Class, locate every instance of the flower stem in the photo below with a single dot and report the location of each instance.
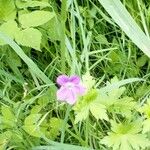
(65, 123)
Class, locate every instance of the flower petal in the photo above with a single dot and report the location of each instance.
(62, 79)
(79, 89)
(74, 79)
(62, 94)
(71, 97)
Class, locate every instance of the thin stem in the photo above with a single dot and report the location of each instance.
(63, 46)
(64, 123)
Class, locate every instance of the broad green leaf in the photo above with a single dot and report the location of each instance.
(8, 117)
(35, 18)
(36, 109)
(90, 103)
(146, 125)
(98, 111)
(114, 100)
(29, 37)
(10, 28)
(126, 136)
(30, 3)
(31, 125)
(7, 10)
(122, 17)
(81, 115)
(33, 67)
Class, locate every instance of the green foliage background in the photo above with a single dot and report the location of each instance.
(41, 39)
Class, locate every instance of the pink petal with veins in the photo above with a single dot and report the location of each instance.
(62, 79)
(74, 79)
(79, 89)
(62, 94)
(71, 97)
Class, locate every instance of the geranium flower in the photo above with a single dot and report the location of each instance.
(70, 88)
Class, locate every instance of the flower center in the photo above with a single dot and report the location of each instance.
(69, 85)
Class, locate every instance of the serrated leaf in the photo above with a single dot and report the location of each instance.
(146, 126)
(7, 10)
(88, 81)
(29, 37)
(81, 115)
(126, 136)
(98, 111)
(30, 3)
(35, 18)
(10, 28)
(90, 103)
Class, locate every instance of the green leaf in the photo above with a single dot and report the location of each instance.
(8, 117)
(35, 18)
(54, 27)
(126, 136)
(31, 125)
(81, 114)
(88, 81)
(10, 28)
(29, 37)
(98, 111)
(146, 125)
(33, 67)
(4, 138)
(102, 39)
(115, 102)
(145, 110)
(142, 60)
(90, 103)
(55, 127)
(30, 3)
(7, 10)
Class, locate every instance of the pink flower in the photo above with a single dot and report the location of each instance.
(70, 88)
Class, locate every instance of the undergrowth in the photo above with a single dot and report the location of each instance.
(42, 39)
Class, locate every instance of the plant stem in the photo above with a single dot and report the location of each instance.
(64, 123)
(63, 46)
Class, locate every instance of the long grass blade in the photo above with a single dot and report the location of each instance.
(122, 17)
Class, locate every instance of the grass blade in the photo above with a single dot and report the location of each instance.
(33, 67)
(122, 17)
